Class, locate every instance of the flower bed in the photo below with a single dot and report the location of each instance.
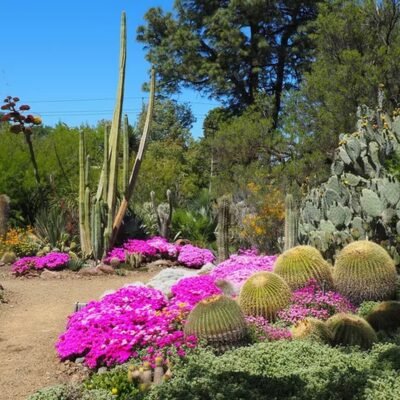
(188, 255)
(122, 324)
(51, 261)
(312, 301)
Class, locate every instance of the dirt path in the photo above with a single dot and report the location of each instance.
(31, 322)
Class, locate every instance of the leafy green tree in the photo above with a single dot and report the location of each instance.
(231, 49)
(357, 48)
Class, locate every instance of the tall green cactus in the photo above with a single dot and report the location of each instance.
(4, 214)
(223, 228)
(99, 222)
(125, 154)
(163, 213)
(290, 223)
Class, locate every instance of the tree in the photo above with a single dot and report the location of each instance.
(357, 48)
(231, 49)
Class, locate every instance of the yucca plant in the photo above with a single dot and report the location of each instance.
(50, 226)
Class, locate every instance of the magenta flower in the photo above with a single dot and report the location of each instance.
(52, 260)
(194, 257)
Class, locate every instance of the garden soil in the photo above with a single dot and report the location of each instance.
(31, 321)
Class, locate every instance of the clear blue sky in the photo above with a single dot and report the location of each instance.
(61, 57)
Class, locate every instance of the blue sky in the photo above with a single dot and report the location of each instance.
(61, 57)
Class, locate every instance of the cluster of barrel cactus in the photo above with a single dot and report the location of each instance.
(385, 316)
(361, 199)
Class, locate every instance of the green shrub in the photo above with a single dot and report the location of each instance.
(366, 307)
(58, 392)
(115, 379)
(298, 370)
(383, 387)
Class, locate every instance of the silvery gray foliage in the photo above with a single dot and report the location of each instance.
(361, 199)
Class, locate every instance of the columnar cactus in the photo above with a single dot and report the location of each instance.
(219, 321)
(298, 265)
(290, 222)
(4, 214)
(264, 294)
(223, 228)
(385, 316)
(364, 271)
(98, 217)
(163, 213)
(313, 329)
(351, 330)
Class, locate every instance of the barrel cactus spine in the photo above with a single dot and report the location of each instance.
(312, 329)
(264, 294)
(219, 321)
(385, 316)
(351, 330)
(364, 271)
(298, 265)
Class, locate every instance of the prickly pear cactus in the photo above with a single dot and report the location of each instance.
(361, 199)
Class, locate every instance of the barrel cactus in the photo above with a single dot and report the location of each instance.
(219, 321)
(298, 265)
(313, 329)
(385, 316)
(364, 271)
(351, 330)
(264, 294)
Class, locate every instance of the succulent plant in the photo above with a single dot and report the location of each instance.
(361, 199)
(300, 264)
(4, 214)
(264, 294)
(364, 271)
(313, 329)
(385, 316)
(291, 221)
(351, 330)
(8, 257)
(219, 321)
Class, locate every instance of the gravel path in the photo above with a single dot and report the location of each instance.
(31, 322)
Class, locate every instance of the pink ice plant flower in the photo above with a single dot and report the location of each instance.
(266, 331)
(120, 325)
(189, 291)
(312, 301)
(239, 267)
(163, 247)
(53, 260)
(194, 257)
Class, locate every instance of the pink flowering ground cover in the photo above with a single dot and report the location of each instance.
(239, 267)
(312, 301)
(264, 331)
(119, 326)
(188, 255)
(189, 291)
(53, 261)
(194, 257)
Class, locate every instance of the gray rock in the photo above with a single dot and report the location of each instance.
(46, 274)
(106, 269)
(166, 278)
(80, 360)
(206, 268)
